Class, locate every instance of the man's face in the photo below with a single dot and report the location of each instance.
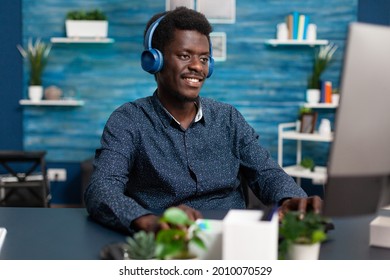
(185, 66)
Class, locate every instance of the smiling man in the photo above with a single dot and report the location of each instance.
(175, 148)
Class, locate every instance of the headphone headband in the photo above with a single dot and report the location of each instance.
(149, 34)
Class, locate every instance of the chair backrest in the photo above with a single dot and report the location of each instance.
(25, 180)
(251, 200)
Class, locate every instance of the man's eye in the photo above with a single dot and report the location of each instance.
(204, 59)
(184, 56)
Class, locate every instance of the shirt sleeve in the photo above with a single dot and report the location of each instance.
(105, 196)
(269, 182)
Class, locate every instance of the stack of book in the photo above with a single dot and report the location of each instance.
(297, 25)
(326, 92)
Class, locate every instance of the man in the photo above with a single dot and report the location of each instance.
(176, 148)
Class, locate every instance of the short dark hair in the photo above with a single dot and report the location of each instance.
(180, 18)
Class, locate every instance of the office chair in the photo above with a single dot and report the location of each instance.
(26, 183)
(251, 201)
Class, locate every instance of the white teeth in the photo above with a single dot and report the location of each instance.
(192, 80)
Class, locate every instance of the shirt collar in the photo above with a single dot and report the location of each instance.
(167, 117)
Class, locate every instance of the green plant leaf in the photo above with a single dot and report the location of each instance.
(176, 216)
(199, 242)
(308, 230)
(37, 55)
(318, 236)
(174, 242)
(322, 57)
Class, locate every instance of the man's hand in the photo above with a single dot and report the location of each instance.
(147, 223)
(191, 212)
(151, 222)
(301, 205)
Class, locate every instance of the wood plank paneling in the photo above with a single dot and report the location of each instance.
(266, 84)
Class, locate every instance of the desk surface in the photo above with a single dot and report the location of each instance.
(69, 234)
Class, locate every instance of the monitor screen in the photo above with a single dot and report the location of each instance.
(359, 161)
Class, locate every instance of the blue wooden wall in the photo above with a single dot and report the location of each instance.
(266, 84)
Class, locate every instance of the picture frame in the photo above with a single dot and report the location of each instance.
(218, 11)
(218, 41)
(308, 122)
(172, 4)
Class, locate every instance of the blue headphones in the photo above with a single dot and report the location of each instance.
(152, 59)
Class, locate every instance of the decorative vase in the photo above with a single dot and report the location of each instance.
(324, 128)
(313, 96)
(35, 93)
(304, 251)
(53, 93)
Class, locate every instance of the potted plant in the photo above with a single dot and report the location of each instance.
(172, 242)
(301, 235)
(308, 163)
(322, 58)
(140, 246)
(335, 96)
(37, 55)
(86, 24)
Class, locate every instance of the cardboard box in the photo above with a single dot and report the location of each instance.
(247, 237)
(380, 232)
(212, 237)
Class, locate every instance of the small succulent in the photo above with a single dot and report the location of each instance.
(304, 110)
(308, 163)
(141, 246)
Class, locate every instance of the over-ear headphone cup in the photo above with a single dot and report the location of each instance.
(152, 60)
(211, 67)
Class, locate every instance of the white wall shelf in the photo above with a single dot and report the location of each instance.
(295, 135)
(275, 42)
(321, 105)
(75, 40)
(61, 102)
(298, 171)
(288, 131)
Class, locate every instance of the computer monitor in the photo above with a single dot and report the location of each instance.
(359, 160)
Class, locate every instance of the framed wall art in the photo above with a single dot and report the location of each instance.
(218, 41)
(172, 4)
(308, 122)
(218, 11)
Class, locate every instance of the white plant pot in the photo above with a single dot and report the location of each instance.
(304, 251)
(313, 96)
(335, 98)
(86, 28)
(35, 93)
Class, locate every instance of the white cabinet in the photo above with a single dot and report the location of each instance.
(288, 131)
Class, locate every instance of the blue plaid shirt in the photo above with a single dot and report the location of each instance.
(148, 162)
